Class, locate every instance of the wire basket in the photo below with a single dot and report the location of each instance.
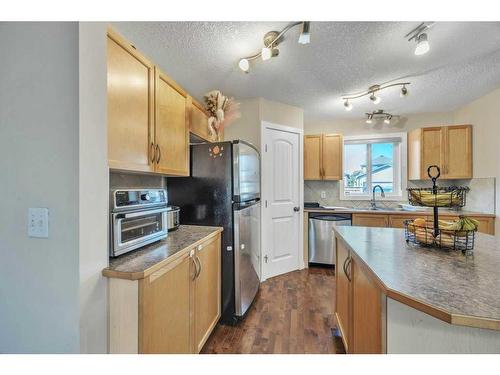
(462, 240)
(451, 196)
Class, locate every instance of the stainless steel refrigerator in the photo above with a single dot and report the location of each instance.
(224, 190)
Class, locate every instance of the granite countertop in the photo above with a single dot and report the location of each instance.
(140, 263)
(460, 290)
(442, 211)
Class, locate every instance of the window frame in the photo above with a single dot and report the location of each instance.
(400, 160)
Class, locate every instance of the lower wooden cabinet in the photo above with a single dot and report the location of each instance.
(370, 220)
(172, 310)
(360, 306)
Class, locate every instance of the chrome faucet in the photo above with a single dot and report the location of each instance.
(382, 194)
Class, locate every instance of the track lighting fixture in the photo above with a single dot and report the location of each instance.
(305, 36)
(347, 105)
(420, 37)
(371, 91)
(271, 41)
(378, 115)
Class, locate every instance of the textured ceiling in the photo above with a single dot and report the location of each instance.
(343, 57)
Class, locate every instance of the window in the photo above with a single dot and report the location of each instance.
(374, 160)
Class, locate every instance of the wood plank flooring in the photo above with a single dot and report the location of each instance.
(293, 313)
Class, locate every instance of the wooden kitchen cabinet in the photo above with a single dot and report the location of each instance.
(165, 309)
(207, 292)
(172, 105)
(359, 305)
(370, 220)
(449, 147)
(343, 293)
(172, 310)
(323, 157)
(398, 221)
(148, 114)
(130, 106)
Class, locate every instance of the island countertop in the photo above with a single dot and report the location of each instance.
(445, 284)
(142, 262)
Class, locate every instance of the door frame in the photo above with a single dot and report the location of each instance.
(265, 187)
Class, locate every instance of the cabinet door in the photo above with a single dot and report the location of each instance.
(486, 224)
(398, 221)
(332, 157)
(165, 309)
(171, 127)
(312, 157)
(207, 291)
(370, 220)
(458, 152)
(130, 107)
(367, 314)
(432, 152)
(199, 121)
(343, 294)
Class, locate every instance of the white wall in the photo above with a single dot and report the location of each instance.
(484, 114)
(93, 187)
(39, 287)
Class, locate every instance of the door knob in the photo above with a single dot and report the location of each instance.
(296, 209)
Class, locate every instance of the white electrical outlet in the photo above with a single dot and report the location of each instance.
(323, 194)
(38, 222)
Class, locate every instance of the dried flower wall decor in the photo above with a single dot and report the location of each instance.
(222, 110)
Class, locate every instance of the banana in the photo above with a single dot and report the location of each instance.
(462, 224)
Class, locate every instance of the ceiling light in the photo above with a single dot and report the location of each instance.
(422, 45)
(369, 119)
(305, 36)
(388, 119)
(244, 65)
(375, 99)
(347, 105)
(404, 92)
(266, 53)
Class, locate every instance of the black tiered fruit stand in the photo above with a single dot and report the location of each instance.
(430, 234)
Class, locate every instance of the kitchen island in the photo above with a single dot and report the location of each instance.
(395, 297)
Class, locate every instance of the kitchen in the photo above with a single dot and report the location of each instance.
(300, 223)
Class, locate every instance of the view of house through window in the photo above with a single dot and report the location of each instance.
(370, 162)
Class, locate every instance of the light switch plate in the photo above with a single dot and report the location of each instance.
(38, 222)
(323, 194)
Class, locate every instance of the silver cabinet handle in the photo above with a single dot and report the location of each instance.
(153, 154)
(200, 267)
(158, 158)
(348, 264)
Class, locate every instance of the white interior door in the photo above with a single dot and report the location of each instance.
(282, 208)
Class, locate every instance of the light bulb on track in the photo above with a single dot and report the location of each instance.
(422, 45)
(244, 65)
(375, 99)
(305, 35)
(266, 53)
(347, 105)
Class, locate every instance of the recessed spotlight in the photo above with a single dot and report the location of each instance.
(404, 92)
(305, 36)
(347, 105)
(244, 65)
(422, 45)
(375, 99)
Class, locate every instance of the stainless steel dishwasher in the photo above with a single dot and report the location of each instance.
(321, 237)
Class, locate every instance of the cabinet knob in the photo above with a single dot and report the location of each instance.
(199, 247)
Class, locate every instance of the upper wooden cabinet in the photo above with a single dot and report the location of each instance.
(449, 147)
(323, 157)
(172, 106)
(199, 123)
(148, 114)
(130, 107)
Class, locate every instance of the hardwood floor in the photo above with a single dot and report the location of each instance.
(293, 313)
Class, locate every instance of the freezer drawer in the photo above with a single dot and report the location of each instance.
(321, 237)
(246, 255)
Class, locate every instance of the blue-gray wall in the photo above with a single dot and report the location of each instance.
(39, 278)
